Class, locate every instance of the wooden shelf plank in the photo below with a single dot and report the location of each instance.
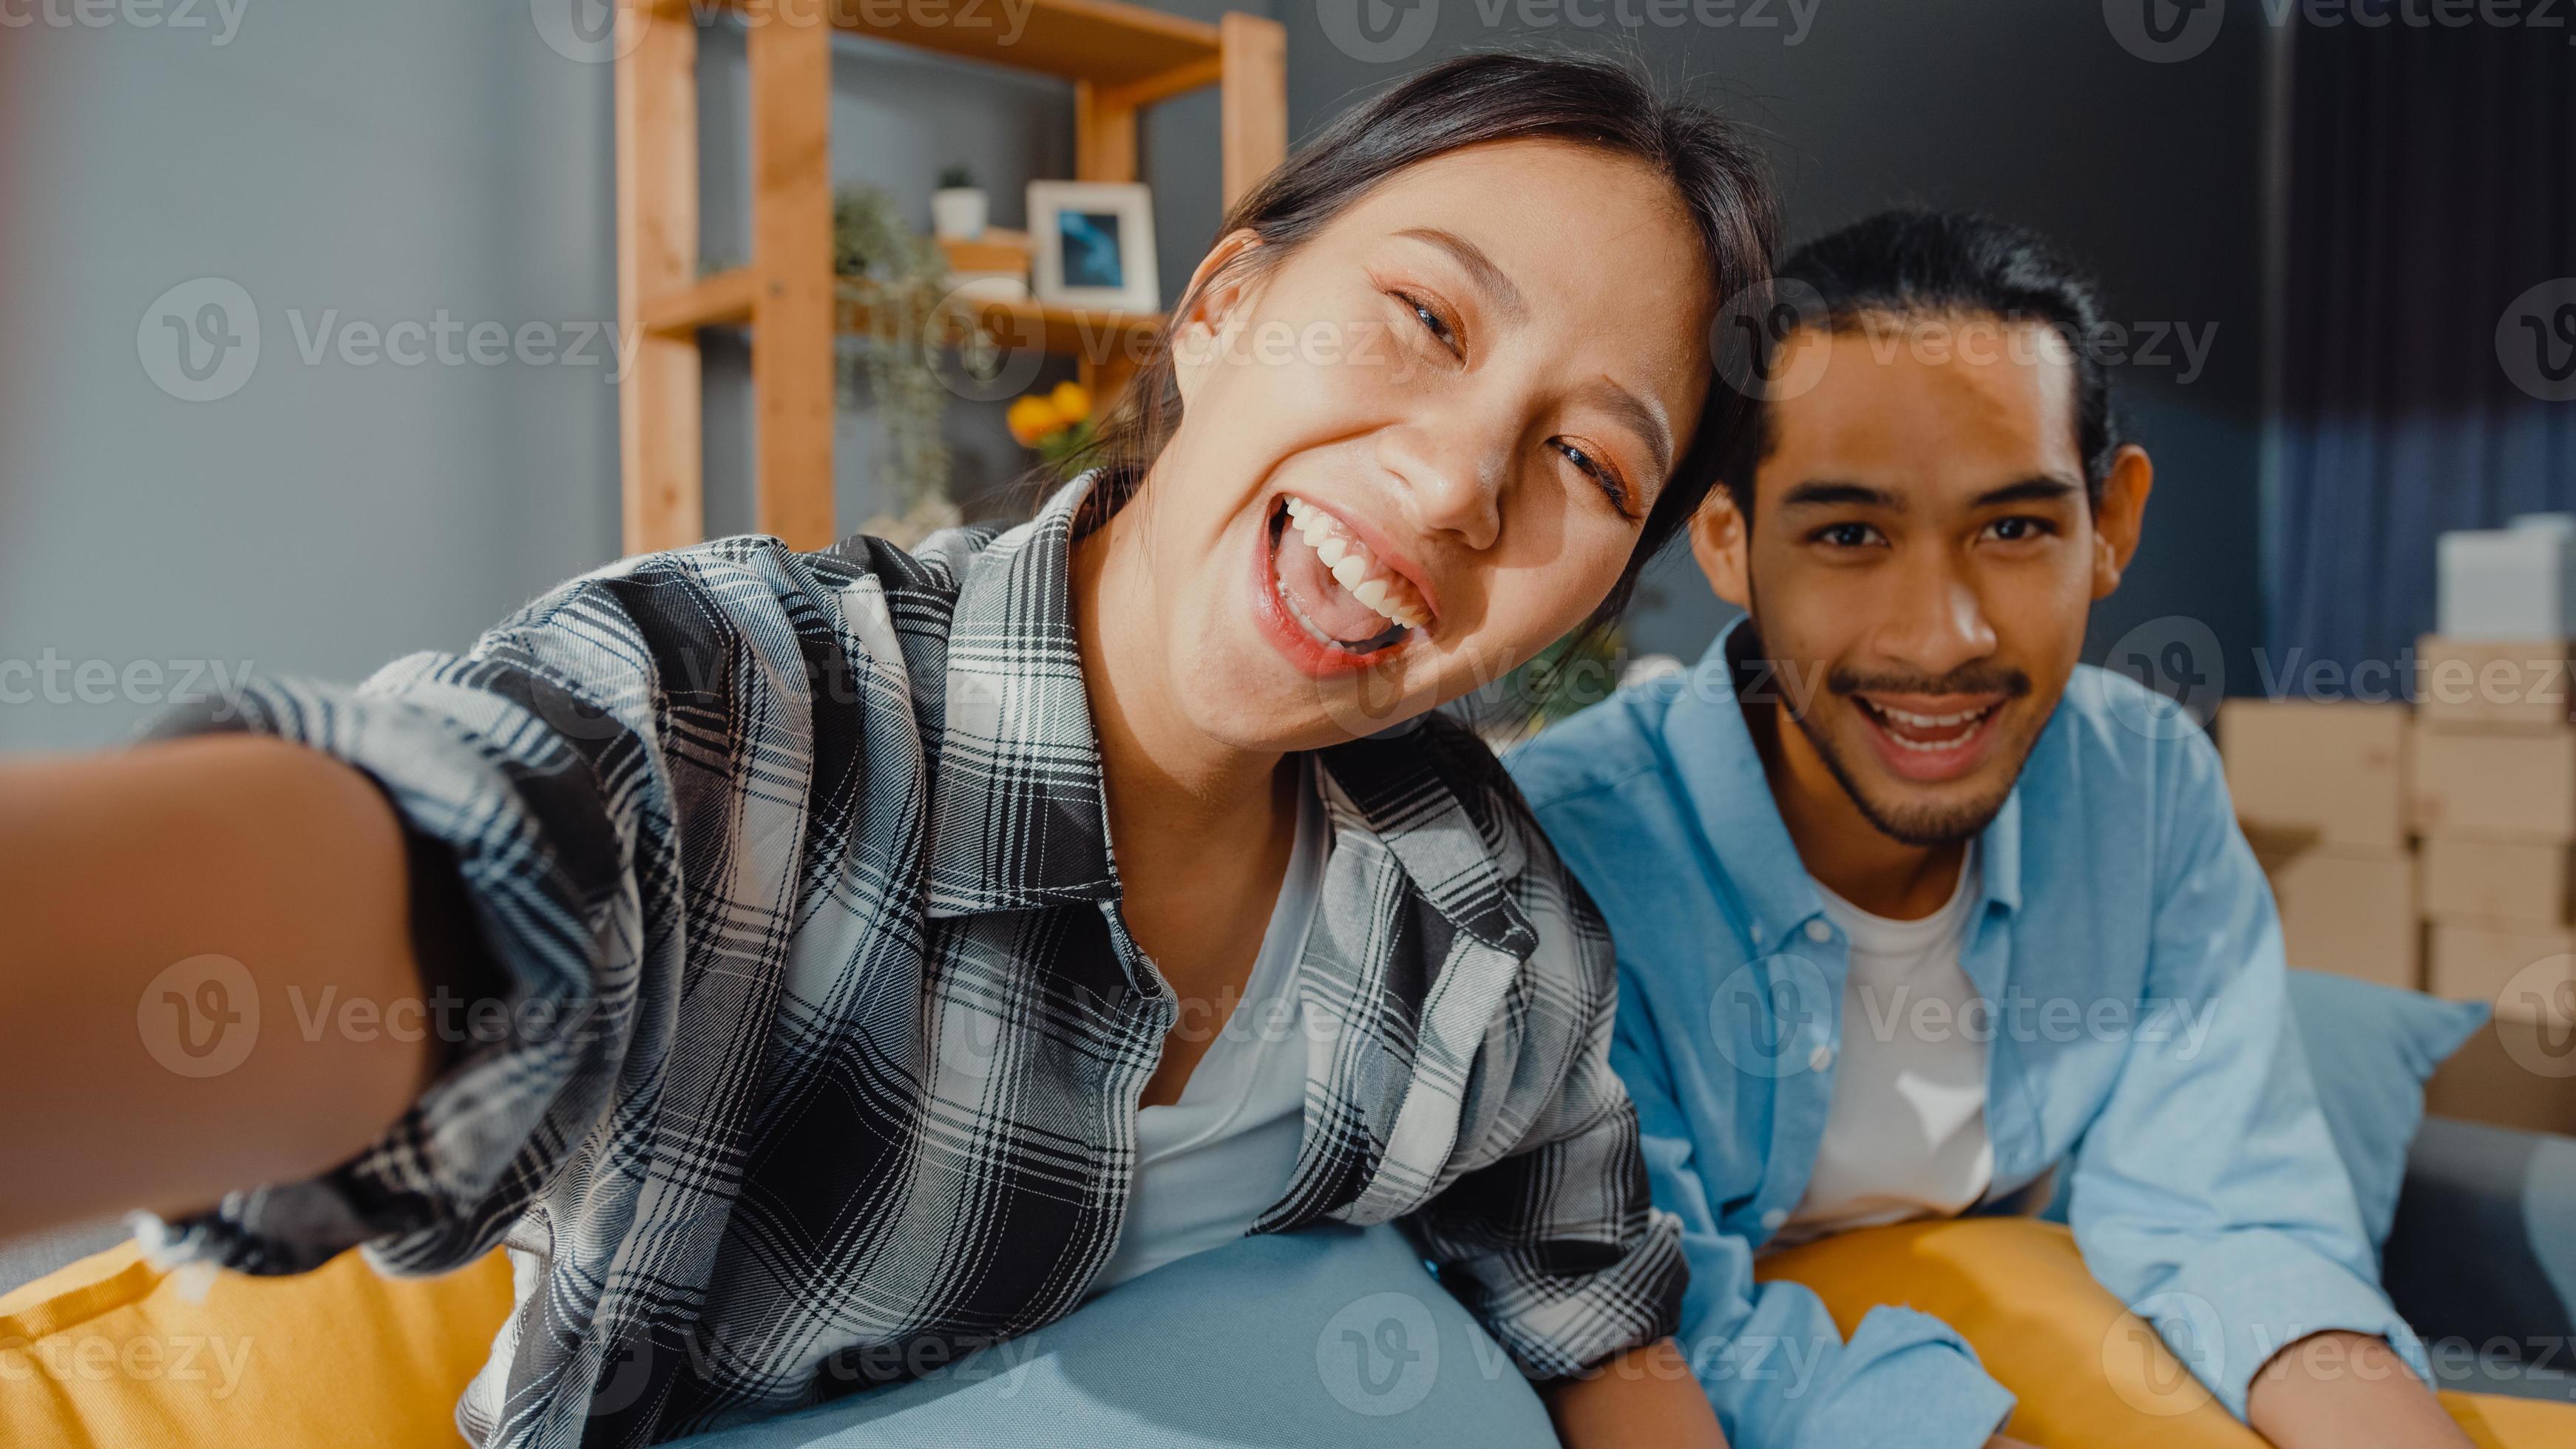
(714, 301)
(1098, 40)
(1077, 332)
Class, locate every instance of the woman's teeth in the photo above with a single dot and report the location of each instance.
(1385, 592)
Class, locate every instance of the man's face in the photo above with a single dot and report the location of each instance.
(1922, 559)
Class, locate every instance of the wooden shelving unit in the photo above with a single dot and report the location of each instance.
(1121, 59)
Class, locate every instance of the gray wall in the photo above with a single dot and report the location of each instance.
(390, 162)
(2147, 172)
(376, 164)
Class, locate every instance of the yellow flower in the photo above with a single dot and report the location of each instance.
(1072, 401)
(1032, 418)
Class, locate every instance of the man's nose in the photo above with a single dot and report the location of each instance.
(1939, 624)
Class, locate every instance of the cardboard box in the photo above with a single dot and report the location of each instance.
(2491, 683)
(2526, 975)
(2508, 583)
(2510, 1073)
(2505, 785)
(2333, 773)
(2512, 883)
(2346, 911)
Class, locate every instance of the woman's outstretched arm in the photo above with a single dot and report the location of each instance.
(114, 868)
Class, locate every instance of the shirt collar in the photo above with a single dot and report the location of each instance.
(1019, 809)
(1018, 816)
(1713, 755)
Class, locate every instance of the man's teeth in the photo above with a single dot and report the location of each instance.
(1930, 721)
(1354, 568)
(1961, 724)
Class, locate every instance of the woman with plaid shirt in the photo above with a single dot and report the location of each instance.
(782, 949)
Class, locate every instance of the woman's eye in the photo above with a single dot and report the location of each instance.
(1846, 535)
(1432, 322)
(1598, 471)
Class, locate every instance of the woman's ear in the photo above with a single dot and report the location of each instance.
(2120, 516)
(1213, 310)
(1718, 537)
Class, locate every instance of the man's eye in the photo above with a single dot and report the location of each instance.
(1847, 535)
(2014, 530)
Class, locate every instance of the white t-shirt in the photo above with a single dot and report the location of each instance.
(1906, 1134)
(1212, 1162)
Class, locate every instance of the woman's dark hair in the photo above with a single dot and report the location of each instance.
(1469, 101)
(1918, 264)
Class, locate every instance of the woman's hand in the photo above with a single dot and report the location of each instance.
(152, 1091)
(1646, 1397)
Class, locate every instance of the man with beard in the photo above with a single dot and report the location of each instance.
(1915, 914)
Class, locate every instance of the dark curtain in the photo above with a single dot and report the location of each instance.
(2432, 184)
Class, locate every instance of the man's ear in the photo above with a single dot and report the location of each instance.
(1215, 306)
(1718, 538)
(2120, 516)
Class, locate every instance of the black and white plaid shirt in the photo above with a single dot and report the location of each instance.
(823, 1039)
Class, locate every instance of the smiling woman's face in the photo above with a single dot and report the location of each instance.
(1421, 446)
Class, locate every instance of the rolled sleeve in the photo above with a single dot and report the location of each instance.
(531, 764)
(2251, 1294)
(1558, 1247)
(1774, 1365)
(2207, 1194)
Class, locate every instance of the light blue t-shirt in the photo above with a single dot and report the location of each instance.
(2129, 957)
(1211, 1163)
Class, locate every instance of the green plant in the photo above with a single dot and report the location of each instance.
(899, 279)
(956, 178)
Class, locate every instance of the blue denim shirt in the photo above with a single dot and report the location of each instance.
(2131, 959)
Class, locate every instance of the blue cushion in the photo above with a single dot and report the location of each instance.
(1332, 1335)
(2370, 1049)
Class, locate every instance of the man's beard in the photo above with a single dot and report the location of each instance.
(1921, 826)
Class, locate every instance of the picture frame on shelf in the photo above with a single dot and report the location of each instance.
(1092, 245)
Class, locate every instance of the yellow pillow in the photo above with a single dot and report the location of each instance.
(109, 1352)
(2086, 1370)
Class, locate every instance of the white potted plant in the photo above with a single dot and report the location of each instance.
(958, 208)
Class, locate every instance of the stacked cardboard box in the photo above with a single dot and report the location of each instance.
(2494, 775)
(2321, 791)
(2494, 787)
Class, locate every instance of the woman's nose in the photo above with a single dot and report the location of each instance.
(1453, 481)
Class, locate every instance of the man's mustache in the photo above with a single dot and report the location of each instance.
(1975, 679)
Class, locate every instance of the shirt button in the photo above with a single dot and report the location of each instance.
(1821, 1058)
(1819, 932)
(1774, 1218)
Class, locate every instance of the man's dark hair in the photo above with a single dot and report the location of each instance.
(1916, 265)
